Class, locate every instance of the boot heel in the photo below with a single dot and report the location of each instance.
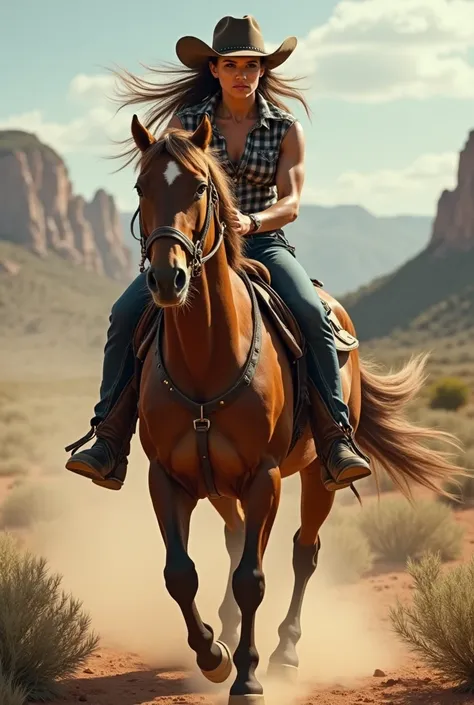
(344, 478)
(114, 480)
(110, 483)
(83, 469)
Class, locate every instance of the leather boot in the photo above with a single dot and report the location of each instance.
(105, 463)
(342, 462)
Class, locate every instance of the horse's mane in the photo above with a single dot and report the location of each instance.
(177, 143)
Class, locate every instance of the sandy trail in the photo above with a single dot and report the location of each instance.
(109, 549)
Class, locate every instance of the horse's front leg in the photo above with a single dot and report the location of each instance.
(260, 504)
(229, 613)
(173, 508)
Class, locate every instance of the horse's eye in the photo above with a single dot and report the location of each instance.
(201, 189)
(138, 190)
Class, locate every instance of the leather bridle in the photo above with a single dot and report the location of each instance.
(203, 409)
(195, 248)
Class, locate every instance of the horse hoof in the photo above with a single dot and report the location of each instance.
(247, 699)
(282, 672)
(224, 669)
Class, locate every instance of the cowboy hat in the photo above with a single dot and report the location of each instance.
(233, 37)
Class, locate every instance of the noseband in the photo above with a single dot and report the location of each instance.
(194, 248)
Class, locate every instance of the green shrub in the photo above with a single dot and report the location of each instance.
(449, 393)
(462, 488)
(439, 625)
(45, 633)
(10, 693)
(397, 530)
(346, 551)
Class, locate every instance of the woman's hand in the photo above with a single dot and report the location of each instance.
(240, 222)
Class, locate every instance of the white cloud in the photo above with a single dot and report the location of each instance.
(412, 189)
(367, 51)
(381, 50)
(91, 131)
(92, 90)
(98, 121)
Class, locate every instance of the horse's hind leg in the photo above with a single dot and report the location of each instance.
(173, 508)
(316, 503)
(229, 613)
(260, 505)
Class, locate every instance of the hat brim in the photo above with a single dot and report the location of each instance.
(194, 53)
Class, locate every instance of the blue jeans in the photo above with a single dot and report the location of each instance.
(291, 282)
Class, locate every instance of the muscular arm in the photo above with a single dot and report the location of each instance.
(289, 180)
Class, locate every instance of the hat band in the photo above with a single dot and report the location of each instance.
(239, 48)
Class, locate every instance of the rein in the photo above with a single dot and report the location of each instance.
(203, 409)
(194, 248)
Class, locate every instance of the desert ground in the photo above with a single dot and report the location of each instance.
(109, 550)
(113, 559)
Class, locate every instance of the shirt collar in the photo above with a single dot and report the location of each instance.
(265, 114)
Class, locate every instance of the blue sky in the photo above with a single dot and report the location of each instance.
(391, 86)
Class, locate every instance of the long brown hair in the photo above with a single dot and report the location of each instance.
(186, 87)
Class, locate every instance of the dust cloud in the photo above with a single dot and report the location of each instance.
(109, 549)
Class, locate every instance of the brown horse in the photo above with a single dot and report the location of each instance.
(216, 408)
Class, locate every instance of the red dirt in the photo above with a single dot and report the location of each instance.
(123, 679)
(113, 677)
(345, 646)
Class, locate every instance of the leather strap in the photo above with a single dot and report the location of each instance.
(204, 409)
(193, 247)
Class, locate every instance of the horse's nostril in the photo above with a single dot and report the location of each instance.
(151, 280)
(180, 279)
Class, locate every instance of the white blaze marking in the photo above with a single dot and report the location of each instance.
(172, 172)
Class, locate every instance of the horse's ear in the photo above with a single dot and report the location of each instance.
(143, 138)
(202, 135)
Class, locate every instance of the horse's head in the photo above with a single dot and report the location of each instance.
(178, 208)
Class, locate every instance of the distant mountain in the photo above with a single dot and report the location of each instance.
(344, 246)
(40, 211)
(433, 291)
(415, 291)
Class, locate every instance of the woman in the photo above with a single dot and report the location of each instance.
(261, 147)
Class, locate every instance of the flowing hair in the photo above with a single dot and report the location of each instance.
(179, 87)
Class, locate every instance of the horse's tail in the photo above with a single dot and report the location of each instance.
(394, 443)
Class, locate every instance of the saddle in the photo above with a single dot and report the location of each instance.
(271, 304)
(288, 327)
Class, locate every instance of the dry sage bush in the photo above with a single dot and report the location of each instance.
(45, 634)
(397, 530)
(346, 551)
(439, 624)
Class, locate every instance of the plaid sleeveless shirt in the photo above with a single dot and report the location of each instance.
(254, 177)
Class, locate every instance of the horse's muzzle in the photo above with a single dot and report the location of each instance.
(168, 284)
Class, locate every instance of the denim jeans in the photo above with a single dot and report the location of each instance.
(291, 282)
(119, 360)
